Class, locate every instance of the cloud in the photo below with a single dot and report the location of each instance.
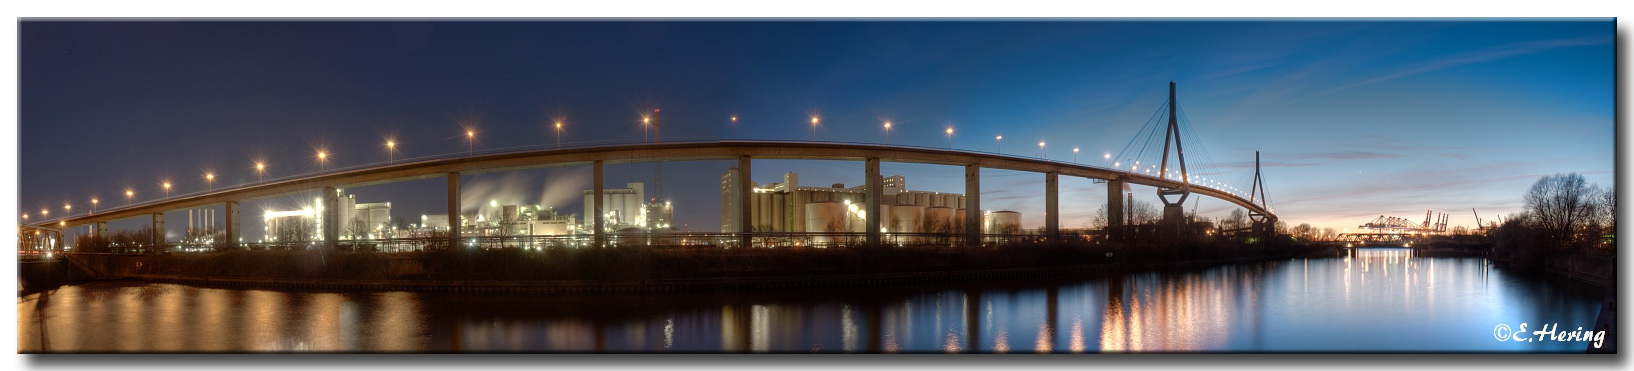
(1479, 56)
(1312, 159)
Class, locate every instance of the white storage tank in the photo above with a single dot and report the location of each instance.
(826, 217)
(938, 219)
(905, 218)
(1004, 222)
(958, 220)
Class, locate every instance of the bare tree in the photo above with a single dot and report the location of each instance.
(1304, 231)
(1561, 205)
(1238, 219)
(1137, 212)
(1330, 233)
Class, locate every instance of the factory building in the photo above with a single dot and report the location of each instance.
(629, 210)
(789, 207)
(359, 221)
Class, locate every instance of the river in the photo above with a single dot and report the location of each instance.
(1379, 300)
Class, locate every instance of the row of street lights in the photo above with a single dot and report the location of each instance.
(470, 135)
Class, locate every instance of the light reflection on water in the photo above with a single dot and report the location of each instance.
(1376, 300)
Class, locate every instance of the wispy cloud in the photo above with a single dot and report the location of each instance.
(1312, 159)
(1479, 56)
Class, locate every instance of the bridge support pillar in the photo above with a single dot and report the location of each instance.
(973, 205)
(231, 225)
(596, 193)
(331, 217)
(101, 230)
(1114, 207)
(1114, 203)
(745, 212)
(158, 230)
(454, 210)
(1174, 216)
(1052, 207)
(875, 193)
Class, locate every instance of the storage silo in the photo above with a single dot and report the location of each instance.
(825, 217)
(938, 219)
(1005, 222)
(905, 218)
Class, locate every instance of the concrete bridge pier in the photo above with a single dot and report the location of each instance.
(101, 230)
(231, 224)
(453, 210)
(158, 230)
(745, 222)
(1052, 207)
(973, 205)
(871, 217)
(1114, 206)
(596, 193)
(331, 217)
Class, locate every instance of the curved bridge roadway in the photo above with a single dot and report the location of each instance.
(595, 156)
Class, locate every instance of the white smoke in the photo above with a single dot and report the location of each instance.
(552, 188)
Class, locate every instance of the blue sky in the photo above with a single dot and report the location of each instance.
(1353, 119)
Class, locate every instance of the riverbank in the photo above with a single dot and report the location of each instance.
(650, 270)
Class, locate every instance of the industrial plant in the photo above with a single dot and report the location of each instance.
(789, 207)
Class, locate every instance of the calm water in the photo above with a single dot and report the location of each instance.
(1380, 300)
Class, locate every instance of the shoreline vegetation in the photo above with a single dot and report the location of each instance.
(678, 268)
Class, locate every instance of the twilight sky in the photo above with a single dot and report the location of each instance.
(1353, 119)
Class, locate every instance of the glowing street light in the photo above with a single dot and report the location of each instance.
(93, 205)
(814, 128)
(657, 126)
(391, 151)
(128, 195)
(558, 134)
(322, 157)
(25, 217)
(209, 181)
(167, 189)
(260, 171)
(734, 126)
(950, 137)
(1000, 139)
(645, 121)
(1040, 149)
(1075, 155)
(887, 132)
(68, 209)
(470, 142)
(45, 212)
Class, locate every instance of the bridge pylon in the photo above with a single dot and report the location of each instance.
(1262, 223)
(1173, 212)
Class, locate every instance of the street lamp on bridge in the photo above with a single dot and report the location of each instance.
(558, 134)
(128, 195)
(734, 126)
(209, 181)
(1074, 155)
(887, 133)
(322, 157)
(470, 141)
(68, 209)
(814, 128)
(1000, 139)
(260, 172)
(391, 151)
(167, 189)
(950, 137)
(93, 205)
(1041, 149)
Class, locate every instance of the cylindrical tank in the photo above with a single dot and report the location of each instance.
(938, 220)
(825, 217)
(1005, 222)
(905, 218)
(958, 220)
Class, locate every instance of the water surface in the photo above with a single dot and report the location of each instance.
(1378, 300)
